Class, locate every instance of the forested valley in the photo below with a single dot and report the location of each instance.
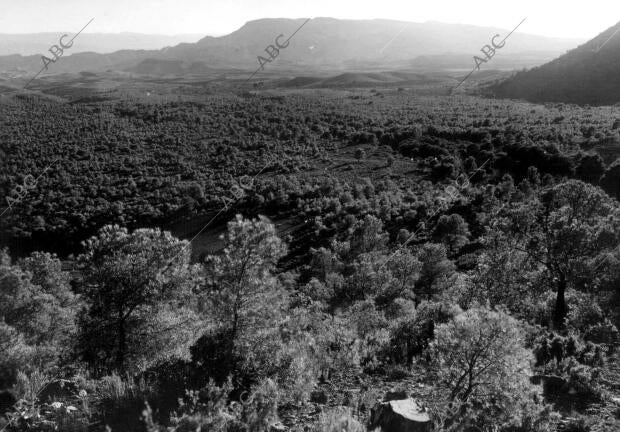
(288, 259)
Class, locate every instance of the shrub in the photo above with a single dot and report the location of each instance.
(213, 355)
(31, 412)
(410, 336)
(583, 311)
(483, 370)
(37, 311)
(338, 420)
(408, 339)
(452, 231)
(244, 298)
(603, 333)
(436, 268)
(211, 410)
(552, 347)
(121, 400)
(574, 360)
(140, 302)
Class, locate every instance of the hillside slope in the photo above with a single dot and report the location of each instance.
(589, 74)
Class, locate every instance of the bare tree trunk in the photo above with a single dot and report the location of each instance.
(122, 344)
(559, 314)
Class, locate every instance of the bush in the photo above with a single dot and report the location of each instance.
(338, 420)
(574, 360)
(214, 356)
(37, 311)
(211, 410)
(408, 339)
(584, 311)
(548, 347)
(141, 305)
(34, 411)
(244, 298)
(410, 336)
(483, 370)
(121, 401)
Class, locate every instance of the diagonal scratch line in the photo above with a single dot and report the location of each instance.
(513, 30)
(36, 180)
(610, 38)
(464, 79)
(501, 42)
(33, 78)
(45, 67)
(252, 76)
(290, 37)
(394, 38)
(83, 28)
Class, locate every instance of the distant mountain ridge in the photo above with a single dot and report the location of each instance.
(588, 74)
(101, 43)
(322, 44)
(342, 44)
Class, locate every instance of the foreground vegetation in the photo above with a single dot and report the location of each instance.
(494, 302)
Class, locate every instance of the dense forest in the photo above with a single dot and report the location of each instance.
(287, 260)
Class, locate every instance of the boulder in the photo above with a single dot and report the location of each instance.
(404, 415)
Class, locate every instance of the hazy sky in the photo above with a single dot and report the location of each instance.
(569, 18)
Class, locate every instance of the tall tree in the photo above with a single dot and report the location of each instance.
(564, 231)
(453, 231)
(37, 314)
(36, 299)
(483, 371)
(436, 268)
(246, 299)
(138, 288)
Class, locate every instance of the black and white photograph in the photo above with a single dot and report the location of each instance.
(309, 216)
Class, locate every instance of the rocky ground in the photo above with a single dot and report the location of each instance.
(359, 393)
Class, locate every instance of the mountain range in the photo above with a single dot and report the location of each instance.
(323, 44)
(38, 43)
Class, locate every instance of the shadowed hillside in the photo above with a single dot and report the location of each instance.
(589, 74)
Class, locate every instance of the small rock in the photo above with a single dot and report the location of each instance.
(400, 416)
(616, 400)
(318, 396)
